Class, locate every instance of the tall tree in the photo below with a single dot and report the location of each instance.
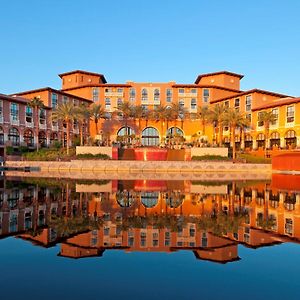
(234, 119)
(66, 113)
(138, 113)
(37, 104)
(126, 111)
(266, 117)
(159, 115)
(217, 118)
(203, 114)
(82, 114)
(96, 113)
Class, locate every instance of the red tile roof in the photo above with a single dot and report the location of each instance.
(51, 90)
(251, 92)
(83, 72)
(278, 102)
(218, 73)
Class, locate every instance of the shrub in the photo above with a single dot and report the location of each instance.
(210, 157)
(249, 158)
(9, 150)
(93, 156)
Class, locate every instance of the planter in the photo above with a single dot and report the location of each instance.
(150, 154)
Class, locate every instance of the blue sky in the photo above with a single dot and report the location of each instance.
(158, 40)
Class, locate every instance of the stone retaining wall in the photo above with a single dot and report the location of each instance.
(112, 166)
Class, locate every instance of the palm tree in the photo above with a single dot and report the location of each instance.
(159, 115)
(66, 113)
(83, 114)
(97, 112)
(125, 109)
(178, 112)
(203, 114)
(139, 113)
(37, 104)
(217, 117)
(234, 119)
(266, 117)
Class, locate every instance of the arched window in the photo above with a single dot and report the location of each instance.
(149, 199)
(156, 94)
(274, 139)
(150, 137)
(125, 134)
(248, 141)
(42, 139)
(14, 136)
(260, 140)
(132, 94)
(124, 198)
(174, 199)
(290, 138)
(174, 131)
(29, 138)
(144, 95)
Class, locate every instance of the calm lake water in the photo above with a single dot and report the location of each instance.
(145, 239)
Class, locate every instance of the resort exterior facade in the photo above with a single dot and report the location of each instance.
(18, 122)
(212, 89)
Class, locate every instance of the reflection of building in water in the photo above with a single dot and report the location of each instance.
(154, 215)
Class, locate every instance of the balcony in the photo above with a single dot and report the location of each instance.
(29, 124)
(42, 126)
(113, 94)
(54, 127)
(14, 122)
(189, 95)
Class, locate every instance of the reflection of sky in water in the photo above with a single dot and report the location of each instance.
(171, 270)
(263, 273)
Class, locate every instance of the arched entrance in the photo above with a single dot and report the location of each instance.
(290, 138)
(261, 140)
(149, 199)
(274, 140)
(175, 132)
(29, 138)
(125, 134)
(150, 137)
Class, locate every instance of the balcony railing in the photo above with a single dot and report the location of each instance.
(29, 124)
(114, 94)
(191, 95)
(14, 122)
(42, 126)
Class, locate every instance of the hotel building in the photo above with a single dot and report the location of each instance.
(208, 90)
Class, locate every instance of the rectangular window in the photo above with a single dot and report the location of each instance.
(260, 123)
(54, 100)
(65, 99)
(107, 103)
(95, 94)
(237, 102)
(76, 102)
(28, 116)
(14, 111)
(132, 94)
(205, 95)
(1, 109)
(248, 116)
(181, 91)
(226, 104)
(181, 103)
(193, 91)
(248, 102)
(193, 103)
(42, 116)
(169, 93)
(275, 113)
(290, 114)
(120, 90)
